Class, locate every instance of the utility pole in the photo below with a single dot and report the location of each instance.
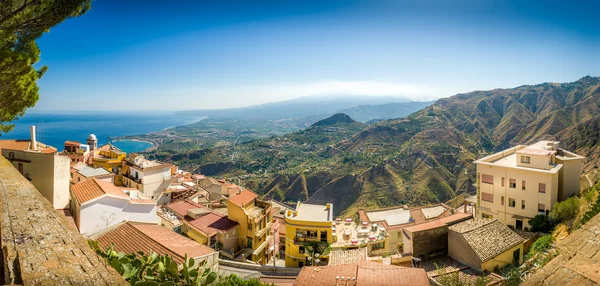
(274, 249)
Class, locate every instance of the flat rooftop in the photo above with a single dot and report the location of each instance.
(391, 216)
(309, 212)
(88, 171)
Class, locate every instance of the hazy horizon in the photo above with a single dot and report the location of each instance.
(227, 54)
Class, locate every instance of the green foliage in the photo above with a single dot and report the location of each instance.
(542, 244)
(315, 250)
(594, 210)
(234, 280)
(153, 269)
(454, 279)
(565, 211)
(541, 223)
(512, 276)
(21, 23)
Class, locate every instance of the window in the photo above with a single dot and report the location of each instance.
(487, 179)
(522, 204)
(378, 246)
(541, 208)
(517, 256)
(502, 181)
(301, 250)
(487, 197)
(511, 202)
(502, 200)
(525, 159)
(523, 185)
(512, 183)
(542, 188)
(323, 235)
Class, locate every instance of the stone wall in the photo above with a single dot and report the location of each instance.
(38, 245)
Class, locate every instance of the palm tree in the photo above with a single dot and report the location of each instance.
(315, 250)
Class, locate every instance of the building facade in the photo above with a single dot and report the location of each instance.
(48, 171)
(152, 178)
(99, 205)
(307, 223)
(257, 226)
(110, 158)
(516, 184)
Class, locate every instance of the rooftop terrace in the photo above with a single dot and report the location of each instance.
(309, 212)
(350, 234)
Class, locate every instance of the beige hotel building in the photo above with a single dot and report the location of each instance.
(518, 183)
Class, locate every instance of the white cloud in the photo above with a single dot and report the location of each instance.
(237, 96)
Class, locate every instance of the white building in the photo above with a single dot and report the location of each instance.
(152, 178)
(40, 163)
(516, 184)
(98, 205)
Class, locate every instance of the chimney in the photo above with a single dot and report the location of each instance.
(33, 141)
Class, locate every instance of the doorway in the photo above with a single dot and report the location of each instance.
(519, 224)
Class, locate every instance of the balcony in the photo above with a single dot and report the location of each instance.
(128, 176)
(264, 230)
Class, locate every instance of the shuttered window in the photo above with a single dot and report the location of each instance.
(541, 207)
(487, 197)
(542, 188)
(487, 179)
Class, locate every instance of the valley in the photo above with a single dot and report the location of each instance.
(423, 158)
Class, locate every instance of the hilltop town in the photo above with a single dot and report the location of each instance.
(131, 204)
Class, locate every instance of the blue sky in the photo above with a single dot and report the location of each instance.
(176, 55)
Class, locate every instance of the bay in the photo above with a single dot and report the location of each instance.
(55, 128)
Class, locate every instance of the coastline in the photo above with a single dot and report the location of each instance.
(152, 144)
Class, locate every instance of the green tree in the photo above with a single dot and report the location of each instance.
(541, 223)
(234, 280)
(315, 250)
(565, 211)
(21, 23)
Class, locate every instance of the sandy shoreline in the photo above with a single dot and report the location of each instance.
(137, 140)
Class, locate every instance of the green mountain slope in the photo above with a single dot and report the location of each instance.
(424, 158)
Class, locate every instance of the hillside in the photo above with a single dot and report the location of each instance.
(424, 158)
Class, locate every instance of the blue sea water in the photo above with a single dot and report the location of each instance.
(55, 128)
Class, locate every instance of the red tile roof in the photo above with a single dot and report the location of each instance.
(91, 189)
(366, 273)
(181, 208)
(133, 237)
(212, 223)
(455, 218)
(243, 198)
(23, 145)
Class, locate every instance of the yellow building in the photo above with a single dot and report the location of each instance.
(307, 223)
(484, 244)
(256, 222)
(516, 184)
(110, 158)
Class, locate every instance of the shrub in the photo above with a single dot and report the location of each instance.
(542, 244)
(541, 223)
(565, 211)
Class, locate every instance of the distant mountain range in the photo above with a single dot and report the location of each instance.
(423, 158)
(361, 108)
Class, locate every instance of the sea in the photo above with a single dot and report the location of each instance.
(55, 128)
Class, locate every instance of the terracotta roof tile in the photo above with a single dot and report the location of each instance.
(181, 208)
(366, 273)
(133, 237)
(487, 237)
(212, 223)
(91, 189)
(242, 198)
